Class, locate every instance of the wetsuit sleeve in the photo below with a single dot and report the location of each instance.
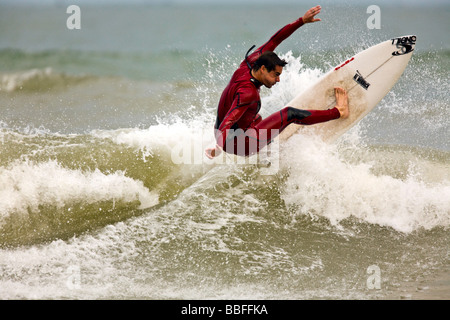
(242, 101)
(280, 36)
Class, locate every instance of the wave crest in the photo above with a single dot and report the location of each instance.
(43, 201)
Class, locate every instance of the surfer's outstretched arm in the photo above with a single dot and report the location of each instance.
(286, 31)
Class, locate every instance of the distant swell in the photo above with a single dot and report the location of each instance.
(37, 80)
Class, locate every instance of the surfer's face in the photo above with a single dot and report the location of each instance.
(272, 77)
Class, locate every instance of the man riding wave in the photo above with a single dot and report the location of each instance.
(239, 129)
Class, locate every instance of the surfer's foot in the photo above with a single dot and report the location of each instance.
(342, 102)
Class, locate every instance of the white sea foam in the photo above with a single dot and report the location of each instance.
(323, 183)
(166, 135)
(26, 186)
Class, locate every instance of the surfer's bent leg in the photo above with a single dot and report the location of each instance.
(280, 120)
(268, 129)
(253, 139)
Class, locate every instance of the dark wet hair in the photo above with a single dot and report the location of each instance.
(270, 60)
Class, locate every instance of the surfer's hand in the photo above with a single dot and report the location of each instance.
(309, 16)
(213, 152)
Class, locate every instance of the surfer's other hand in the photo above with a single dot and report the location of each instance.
(212, 152)
(309, 16)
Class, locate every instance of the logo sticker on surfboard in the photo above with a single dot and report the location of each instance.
(360, 80)
(404, 44)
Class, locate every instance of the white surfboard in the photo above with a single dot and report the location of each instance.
(368, 77)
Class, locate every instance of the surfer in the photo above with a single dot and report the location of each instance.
(239, 129)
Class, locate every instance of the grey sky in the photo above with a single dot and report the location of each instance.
(299, 2)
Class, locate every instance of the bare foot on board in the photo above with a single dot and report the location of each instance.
(342, 102)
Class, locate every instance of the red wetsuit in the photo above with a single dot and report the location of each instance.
(239, 127)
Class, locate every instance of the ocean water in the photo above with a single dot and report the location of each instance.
(95, 202)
